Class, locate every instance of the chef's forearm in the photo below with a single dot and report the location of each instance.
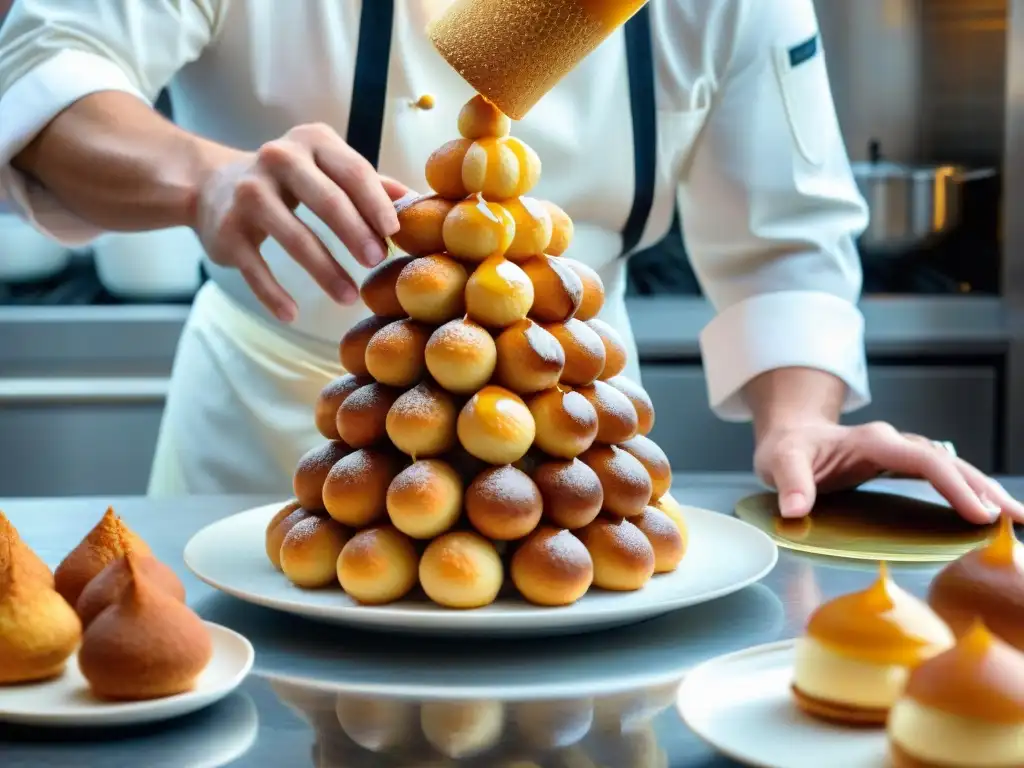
(794, 396)
(117, 163)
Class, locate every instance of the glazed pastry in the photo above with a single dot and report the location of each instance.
(352, 349)
(38, 629)
(986, 584)
(395, 355)
(963, 708)
(498, 293)
(571, 490)
(106, 542)
(496, 426)
(147, 645)
(498, 168)
(107, 588)
(476, 230)
(859, 649)
(31, 562)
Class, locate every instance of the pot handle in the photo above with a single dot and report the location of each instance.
(978, 174)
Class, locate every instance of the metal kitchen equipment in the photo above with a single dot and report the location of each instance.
(911, 205)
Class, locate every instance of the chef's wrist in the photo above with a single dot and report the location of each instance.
(208, 160)
(787, 398)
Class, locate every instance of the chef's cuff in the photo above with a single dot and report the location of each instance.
(27, 107)
(804, 329)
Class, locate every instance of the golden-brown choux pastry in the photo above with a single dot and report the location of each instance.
(552, 567)
(378, 288)
(461, 569)
(561, 229)
(420, 220)
(311, 473)
(377, 723)
(444, 169)
(626, 484)
(355, 493)
(479, 119)
(329, 401)
(310, 551)
(530, 359)
(38, 629)
(32, 564)
(476, 230)
(566, 422)
(110, 539)
(533, 228)
(655, 461)
(461, 356)
(278, 528)
(500, 169)
(352, 350)
(664, 537)
(571, 490)
(557, 290)
(584, 351)
(107, 588)
(425, 499)
(431, 289)
(362, 418)
(378, 566)
(674, 510)
(462, 729)
(615, 354)
(640, 399)
(593, 290)
(421, 422)
(503, 503)
(617, 420)
(395, 355)
(147, 645)
(623, 558)
(498, 293)
(496, 426)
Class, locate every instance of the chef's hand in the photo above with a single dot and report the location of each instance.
(253, 196)
(802, 450)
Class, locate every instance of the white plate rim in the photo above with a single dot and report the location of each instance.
(481, 620)
(123, 713)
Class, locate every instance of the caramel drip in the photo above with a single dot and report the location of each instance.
(981, 677)
(522, 163)
(882, 624)
(1001, 551)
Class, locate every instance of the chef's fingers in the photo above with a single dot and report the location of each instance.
(991, 490)
(261, 281)
(793, 478)
(886, 447)
(350, 171)
(396, 190)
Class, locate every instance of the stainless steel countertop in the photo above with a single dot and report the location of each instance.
(139, 340)
(256, 728)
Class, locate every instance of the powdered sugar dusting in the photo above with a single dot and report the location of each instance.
(401, 336)
(505, 485)
(370, 397)
(422, 403)
(625, 538)
(462, 336)
(572, 479)
(579, 409)
(655, 524)
(562, 548)
(571, 282)
(323, 457)
(423, 476)
(544, 344)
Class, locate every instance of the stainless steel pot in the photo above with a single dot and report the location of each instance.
(910, 205)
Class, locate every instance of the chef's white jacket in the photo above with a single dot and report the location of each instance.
(748, 146)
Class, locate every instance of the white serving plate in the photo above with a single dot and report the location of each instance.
(66, 701)
(741, 704)
(725, 555)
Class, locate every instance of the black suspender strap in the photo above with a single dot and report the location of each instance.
(370, 85)
(640, 63)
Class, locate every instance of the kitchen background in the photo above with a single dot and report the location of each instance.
(929, 107)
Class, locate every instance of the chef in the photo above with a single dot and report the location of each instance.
(299, 124)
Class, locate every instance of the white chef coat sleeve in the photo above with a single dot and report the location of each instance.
(770, 212)
(55, 52)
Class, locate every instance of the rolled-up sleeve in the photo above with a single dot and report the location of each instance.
(771, 210)
(55, 52)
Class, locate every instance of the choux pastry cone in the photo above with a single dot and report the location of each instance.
(107, 588)
(31, 562)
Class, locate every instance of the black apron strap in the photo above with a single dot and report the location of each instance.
(370, 85)
(640, 63)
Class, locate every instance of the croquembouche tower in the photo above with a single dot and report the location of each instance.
(484, 433)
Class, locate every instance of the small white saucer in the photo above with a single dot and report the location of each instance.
(742, 706)
(66, 701)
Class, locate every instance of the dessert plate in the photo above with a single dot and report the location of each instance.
(741, 705)
(66, 701)
(724, 556)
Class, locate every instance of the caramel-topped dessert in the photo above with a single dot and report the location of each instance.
(963, 708)
(986, 583)
(858, 650)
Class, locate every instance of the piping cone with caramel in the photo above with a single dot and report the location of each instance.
(963, 708)
(986, 583)
(106, 542)
(859, 648)
(34, 566)
(38, 629)
(147, 645)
